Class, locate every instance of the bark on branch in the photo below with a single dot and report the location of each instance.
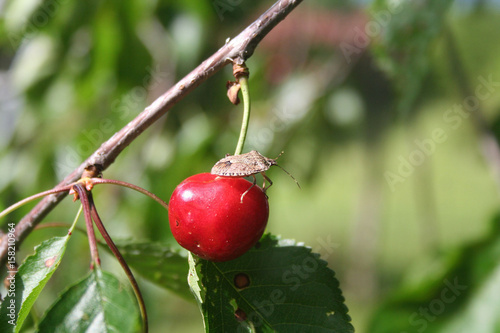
(236, 50)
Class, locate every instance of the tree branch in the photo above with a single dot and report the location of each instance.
(236, 50)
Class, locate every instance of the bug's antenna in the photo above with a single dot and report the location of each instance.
(279, 155)
(288, 173)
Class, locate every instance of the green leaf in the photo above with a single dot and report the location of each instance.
(277, 286)
(98, 303)
(159, 263)
(457, 293)
(403, 41)
(480, 314)
(194, 280)
(29, 281)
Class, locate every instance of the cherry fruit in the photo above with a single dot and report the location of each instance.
(208, 217)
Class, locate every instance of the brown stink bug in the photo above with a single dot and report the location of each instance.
(245, 165)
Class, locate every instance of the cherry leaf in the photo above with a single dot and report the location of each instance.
(98, 303)
(160, 263)
(194, 280)
(29, 281)
(277, 286)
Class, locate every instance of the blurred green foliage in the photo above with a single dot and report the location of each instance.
(73, 73)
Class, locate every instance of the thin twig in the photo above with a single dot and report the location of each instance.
(31, 198)
(236, 50)
(96, 181)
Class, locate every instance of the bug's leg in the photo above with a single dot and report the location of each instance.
(264, 188)
(253, 184)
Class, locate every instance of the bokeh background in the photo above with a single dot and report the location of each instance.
(387, 113)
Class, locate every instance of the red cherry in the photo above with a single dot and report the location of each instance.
(208, 218)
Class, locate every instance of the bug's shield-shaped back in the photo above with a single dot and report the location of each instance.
(242, 165)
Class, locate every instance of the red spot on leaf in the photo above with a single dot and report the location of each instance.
(50, 262)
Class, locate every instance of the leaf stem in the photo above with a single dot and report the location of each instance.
(64, 225)
(243, 81)
(121, 260)
(84, 199)
(70, 231)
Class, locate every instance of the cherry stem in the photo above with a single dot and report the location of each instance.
(96, 181)
(121, 260)
(84, 199)
(243, 81)
(33, 197)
